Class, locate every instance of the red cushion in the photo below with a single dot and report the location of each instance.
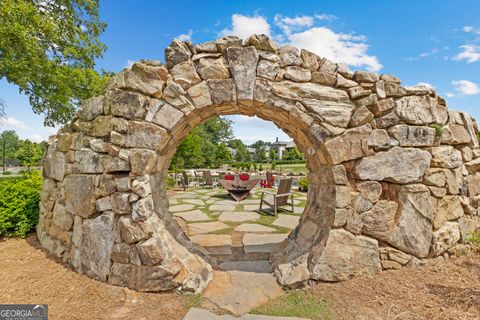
(229, 177)
(244, 177)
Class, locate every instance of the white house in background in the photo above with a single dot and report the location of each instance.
(281, 146)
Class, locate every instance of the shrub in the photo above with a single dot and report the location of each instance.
(474, 240)
(260, 167)
(170, 182)
(438, 129)
(7, 173)
(478, 136)
(303, 183)
(19, 204)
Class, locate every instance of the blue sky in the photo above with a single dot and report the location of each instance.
(431, 42)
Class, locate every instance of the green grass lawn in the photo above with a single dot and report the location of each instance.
(295, 168)
(299, 303)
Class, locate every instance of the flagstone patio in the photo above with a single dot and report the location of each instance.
(235, 231)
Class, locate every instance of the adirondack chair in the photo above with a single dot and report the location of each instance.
(269, 182)
(207, 179)
(185, 180)
(280, 198)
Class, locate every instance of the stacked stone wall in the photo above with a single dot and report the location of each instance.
(395, 175)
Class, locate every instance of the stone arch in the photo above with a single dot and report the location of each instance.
(394, 174)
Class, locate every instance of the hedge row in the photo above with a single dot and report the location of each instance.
(19, 204)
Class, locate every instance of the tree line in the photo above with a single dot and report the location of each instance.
(20, 152)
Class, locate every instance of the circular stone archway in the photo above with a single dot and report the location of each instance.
(393, 174)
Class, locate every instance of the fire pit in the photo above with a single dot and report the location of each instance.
(239, 189)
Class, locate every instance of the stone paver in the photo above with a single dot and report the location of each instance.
(252, 227)
(194, 215)
(185, 195)
(251, 207)
(227, 202)
(206, 227)
(240, 291)
(298, 210)
(239, 216)
(172, 201)
(181, 207)
(202, 314)
(214, 243)
(286, 221)
(194, 201)
(255, 242)
(222, 207)
(250, 201)
(260, 266)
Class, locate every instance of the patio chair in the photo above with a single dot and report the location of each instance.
(269, 182)
(185, 181)
(207, 179)
(280, 198)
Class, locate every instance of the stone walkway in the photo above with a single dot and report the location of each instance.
(241, 238)
(197, 314)
(234, 231)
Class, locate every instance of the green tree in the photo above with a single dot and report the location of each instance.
(12, 144)
(48, 48)
(2, 110)
(260, 155)
(218, 130)
(272, 155)
(222, 154)
(29, 153)
(242, 152)
(199, 149)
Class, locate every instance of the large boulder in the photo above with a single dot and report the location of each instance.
(98, 237)
(414, 109)
(243, 65)
(353, 144)
(80, 194)
(346, 255)
(445, 238)
(413, 136)
(413, 230)
(399, 165)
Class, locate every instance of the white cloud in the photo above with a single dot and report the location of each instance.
(471, 29)
(245, 26)
(130, 63)
(300, 32)
(450, 94)
(426, 54)
(425, 84)
(466, 87)
(37, 138)
(338, 47)
(13, 123)
(470, 52)
(186, 36)
(325, 16)
(289, 24)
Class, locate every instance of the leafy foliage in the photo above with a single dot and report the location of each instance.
(19, 204)
(303, 183)
(438, 129)
(205, 146)
(242, 153)
(48, 48)
(293, 154)
(20, 152)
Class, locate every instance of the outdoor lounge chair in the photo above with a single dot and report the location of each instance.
(269, 182)
(207, 179)
(280, 198)
(185, 181)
